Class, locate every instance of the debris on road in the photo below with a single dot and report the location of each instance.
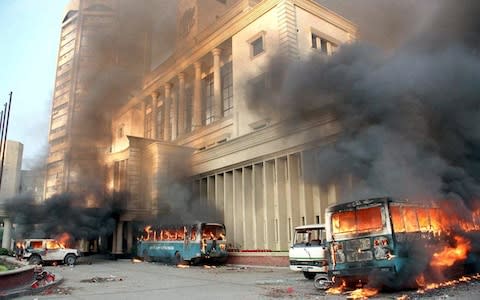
(102, 279)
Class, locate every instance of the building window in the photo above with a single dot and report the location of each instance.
(257, 46)
(322, 44)
(227, 89)
(209, 99)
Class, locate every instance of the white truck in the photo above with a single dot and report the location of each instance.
(48, 250)
(309, 254)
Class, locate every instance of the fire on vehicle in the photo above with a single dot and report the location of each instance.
(193, 243)
(390, 243)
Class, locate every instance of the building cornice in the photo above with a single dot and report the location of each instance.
(266, 135)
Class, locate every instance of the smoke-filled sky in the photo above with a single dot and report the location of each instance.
(406, 97)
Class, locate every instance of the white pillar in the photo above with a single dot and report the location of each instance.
(7, 234)
(119, 239)
(197, 97)
(181, 104)
(155, 95)
(167, 130)
(217, 84)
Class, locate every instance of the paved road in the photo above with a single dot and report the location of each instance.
(122, 279)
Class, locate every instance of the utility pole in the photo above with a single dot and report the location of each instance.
(5, 116)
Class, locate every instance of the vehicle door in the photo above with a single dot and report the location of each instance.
(54, 251)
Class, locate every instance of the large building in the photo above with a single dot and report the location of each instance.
(192, 113)
(91, 52)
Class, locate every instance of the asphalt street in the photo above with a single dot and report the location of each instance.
(124, 279)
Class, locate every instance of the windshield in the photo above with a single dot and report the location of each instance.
(360, 220)
(212, 231)
(309, 236)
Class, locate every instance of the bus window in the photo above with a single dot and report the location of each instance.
(369, 219)
(423, 221)
(435, 223)
(193, 233)
(361, 220)
(343, 222)
(411, 222)
(397, 218)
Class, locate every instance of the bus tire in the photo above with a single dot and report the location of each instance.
(146, 257)
(309, 275)
(178, 258)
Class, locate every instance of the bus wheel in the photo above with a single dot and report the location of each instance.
(309, 275)
(146, 257)
(178, 258)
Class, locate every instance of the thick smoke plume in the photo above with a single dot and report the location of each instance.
(407, 116)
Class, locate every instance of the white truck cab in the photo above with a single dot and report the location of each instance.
(48, 250)
(309, 254)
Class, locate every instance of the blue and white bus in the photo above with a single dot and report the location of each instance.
(193, 243)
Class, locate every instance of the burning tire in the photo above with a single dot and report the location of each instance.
(70, 259)
(35, 260)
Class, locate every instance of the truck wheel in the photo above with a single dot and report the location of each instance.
(35, 260)
(321, 282)
(70, 259)
(309, 275)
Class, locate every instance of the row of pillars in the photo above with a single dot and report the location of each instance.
(119, 237)
(197, 101)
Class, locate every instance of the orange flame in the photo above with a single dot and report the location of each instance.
(64, 239)
(363, 293)
(449, 255)
(337, 290)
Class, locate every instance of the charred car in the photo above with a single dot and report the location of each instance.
(48, 250)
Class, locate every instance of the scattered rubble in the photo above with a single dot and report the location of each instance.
(95, 279)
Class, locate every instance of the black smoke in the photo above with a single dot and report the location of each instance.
(407, 115)
(63, 213)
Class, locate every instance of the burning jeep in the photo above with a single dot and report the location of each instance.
(48, 250)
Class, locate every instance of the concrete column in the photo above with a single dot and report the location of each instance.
(181, 103)
(7, 234)
(119, 239)
(197, 97)
(329, 48)
(114, 242)
(217, 84)
(154, 114)
(166, 113)
(174, 114)
(129, 237)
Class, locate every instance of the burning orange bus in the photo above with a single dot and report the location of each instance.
(193, 243)
(390, 243)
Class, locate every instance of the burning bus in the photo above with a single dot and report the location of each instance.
(193, 243)
(392, 243)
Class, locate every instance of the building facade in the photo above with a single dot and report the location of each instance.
(88, 52)
(192, 114)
